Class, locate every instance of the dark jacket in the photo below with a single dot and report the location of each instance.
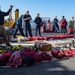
(55, 21)
(27, 21)
(19, 21)
(2, 15)
(38, 20)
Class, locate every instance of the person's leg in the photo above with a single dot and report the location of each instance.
(21, 31)
(61, 29)
(39, 31)
(64, 29)
(30, 31)
(57, 27)
(25, 30)
(16, 29)
(3, 34)
(54, 28)
(36, 31)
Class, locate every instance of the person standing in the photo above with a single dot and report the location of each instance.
(71, 26)
(63, 25)
(49, 26)
(38, 22)
(56, 27)
(18, 26)
(2, 29)
(27, 26)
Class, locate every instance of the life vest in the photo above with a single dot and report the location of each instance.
(63, 23)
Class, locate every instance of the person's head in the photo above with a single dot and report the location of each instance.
(21, 15)
(27, 12)
(49, 21)
(72, 18)
(55, 17)
(63, 17)
(0, 8)
(38, 14)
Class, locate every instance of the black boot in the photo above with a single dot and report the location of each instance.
(8, 44)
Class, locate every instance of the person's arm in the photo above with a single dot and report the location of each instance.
(69, 23)
(25, 19)
(35, 20)
(57, 20)
(40, 20)
(29, 18)
(60, 22)
(54, 20)
(7, 13)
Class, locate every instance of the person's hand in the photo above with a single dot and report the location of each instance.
(29, 18)
(26, 18)
(11, 6)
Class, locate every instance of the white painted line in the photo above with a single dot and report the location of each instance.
(14, 44)
(21, 44)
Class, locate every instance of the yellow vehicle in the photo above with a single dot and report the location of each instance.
(10, 21)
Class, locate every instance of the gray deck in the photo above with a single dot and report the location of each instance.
(64, 66)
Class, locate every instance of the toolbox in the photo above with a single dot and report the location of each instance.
(43, 46)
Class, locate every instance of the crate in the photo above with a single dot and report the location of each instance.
(43, 45)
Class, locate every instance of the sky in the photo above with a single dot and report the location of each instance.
(46, 8)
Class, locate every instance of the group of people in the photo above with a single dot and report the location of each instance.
(56, 25)
(27, 26)
(67, 27)
(62, 23)
(62, 26)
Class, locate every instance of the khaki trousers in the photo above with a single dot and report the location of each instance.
(3, 33)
